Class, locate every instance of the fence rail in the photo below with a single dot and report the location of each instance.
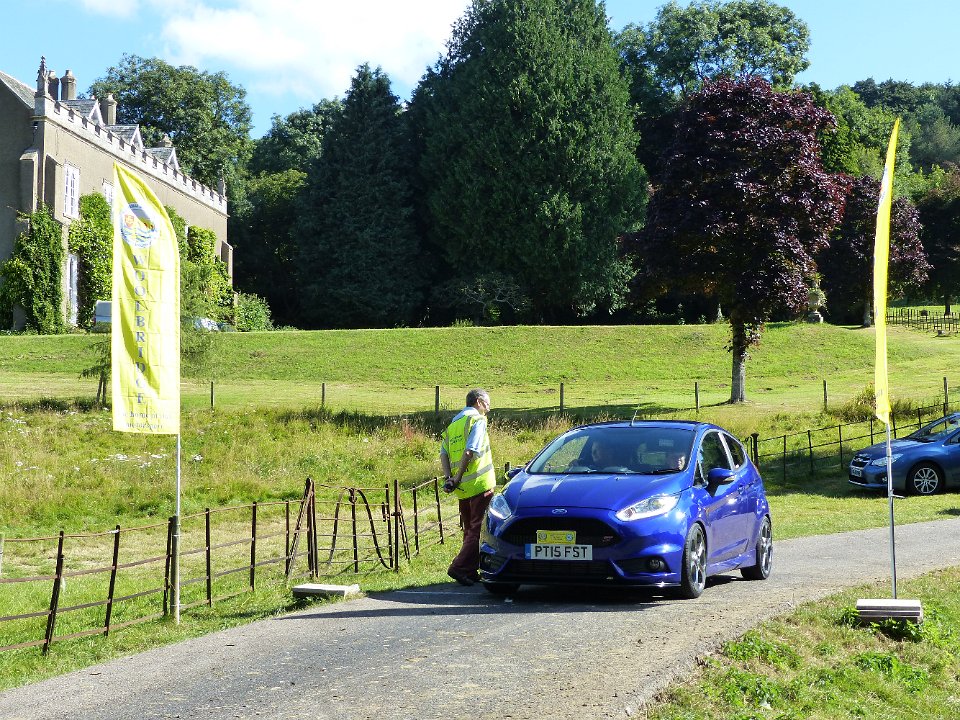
(122, 577)
(829, 449)
(938, 322)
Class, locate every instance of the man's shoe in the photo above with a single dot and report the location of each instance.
(460, 577)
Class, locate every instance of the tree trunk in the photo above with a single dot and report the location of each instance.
(868, 308)
(946, 303)
(738, 347)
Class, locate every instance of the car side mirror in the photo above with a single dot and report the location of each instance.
(720, 476)
(512, 472)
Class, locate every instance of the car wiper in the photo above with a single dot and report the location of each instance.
(663, 471)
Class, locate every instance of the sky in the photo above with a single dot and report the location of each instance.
(289, 54)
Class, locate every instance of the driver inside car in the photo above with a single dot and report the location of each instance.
(606, 455)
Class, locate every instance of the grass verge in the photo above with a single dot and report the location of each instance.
(819, 664)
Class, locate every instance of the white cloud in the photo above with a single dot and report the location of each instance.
(311, 48)
(111, 7)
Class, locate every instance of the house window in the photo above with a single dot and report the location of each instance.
(71, 191)
(73, 274)
(108, 193)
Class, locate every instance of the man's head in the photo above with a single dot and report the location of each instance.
(479, 399)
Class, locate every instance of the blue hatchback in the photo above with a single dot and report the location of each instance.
(923, 463)
(658, 503)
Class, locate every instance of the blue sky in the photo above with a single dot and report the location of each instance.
(291, 53)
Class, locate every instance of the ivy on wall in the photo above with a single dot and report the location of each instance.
(33, 275)
(212, 272)
(90, 237)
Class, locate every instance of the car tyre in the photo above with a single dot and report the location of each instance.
(501, 588)
(693, 574)
(764, 553)
(925, 479)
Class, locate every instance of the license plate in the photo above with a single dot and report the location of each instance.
(856, 472)
(557, 537)
(541, 551)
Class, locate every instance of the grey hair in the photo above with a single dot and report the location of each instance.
(477, 394)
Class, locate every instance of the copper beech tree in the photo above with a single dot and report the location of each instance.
(846, 266)
(743, 205)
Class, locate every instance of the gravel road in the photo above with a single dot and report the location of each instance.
(450, 652)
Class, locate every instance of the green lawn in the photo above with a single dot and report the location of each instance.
(64, 468)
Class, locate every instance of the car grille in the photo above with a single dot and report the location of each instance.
(589, 531)
(567, 571)
(860, 460)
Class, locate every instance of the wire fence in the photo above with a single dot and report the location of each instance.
(937, 322)
(69, 586)
(813, 452)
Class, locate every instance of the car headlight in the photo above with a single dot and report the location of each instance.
(883, 460)
(499, 507)
(657, 505)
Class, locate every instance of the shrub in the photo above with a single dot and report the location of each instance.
(32, 277)
(251, 313)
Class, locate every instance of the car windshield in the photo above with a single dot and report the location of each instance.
(937, 430)
(641, 450)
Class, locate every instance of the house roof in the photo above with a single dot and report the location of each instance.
(82, 106)
(128, 133)
(167, 155)
(24, 92)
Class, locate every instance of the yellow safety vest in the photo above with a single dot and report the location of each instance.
(479, 475)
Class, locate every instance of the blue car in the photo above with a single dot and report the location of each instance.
(643, 503)
(924, 462)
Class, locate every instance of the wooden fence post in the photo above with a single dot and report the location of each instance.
(211, 395)
(810, 449)
(784, 458)
(561, 397)
(323, 394)
(696, 394)
(436, 494)
(824, 395)
(756, 448)
(436, 400)
(416, 523)
(209, 556)
(286, 555)
(840, 435)
(353, 526)
(253, 547)
(389, 515)
(54, 597)
(946, 397)
(113, 581)
(166, 568)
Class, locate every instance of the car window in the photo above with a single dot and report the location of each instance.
(937, 430)
(712, 454)
(567, 456)
(736, 450)
(640, 449)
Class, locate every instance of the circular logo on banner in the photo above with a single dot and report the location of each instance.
(138, 227)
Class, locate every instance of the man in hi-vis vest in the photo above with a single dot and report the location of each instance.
(468, 468)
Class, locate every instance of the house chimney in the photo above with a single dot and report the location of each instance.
(165, 141)
(68, 86)
(108, 110)
(53, 85)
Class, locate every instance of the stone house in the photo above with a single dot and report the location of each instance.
(55, 147)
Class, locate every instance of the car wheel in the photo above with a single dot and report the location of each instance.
(501, 588)
(693, 575)
(764, 554)
(925, 479)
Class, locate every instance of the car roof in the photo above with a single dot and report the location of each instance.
(681, 424)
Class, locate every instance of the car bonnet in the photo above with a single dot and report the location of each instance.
(595, 491)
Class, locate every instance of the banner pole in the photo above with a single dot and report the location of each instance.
(175, 547)
(893, 547)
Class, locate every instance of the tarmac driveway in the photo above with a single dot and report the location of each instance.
(451, 652)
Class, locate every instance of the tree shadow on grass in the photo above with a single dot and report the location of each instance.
(434, 423)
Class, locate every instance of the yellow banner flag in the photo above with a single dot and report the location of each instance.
(145, 337)
(881, 259)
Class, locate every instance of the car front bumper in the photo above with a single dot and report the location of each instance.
(874, 477)
(646, 552)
